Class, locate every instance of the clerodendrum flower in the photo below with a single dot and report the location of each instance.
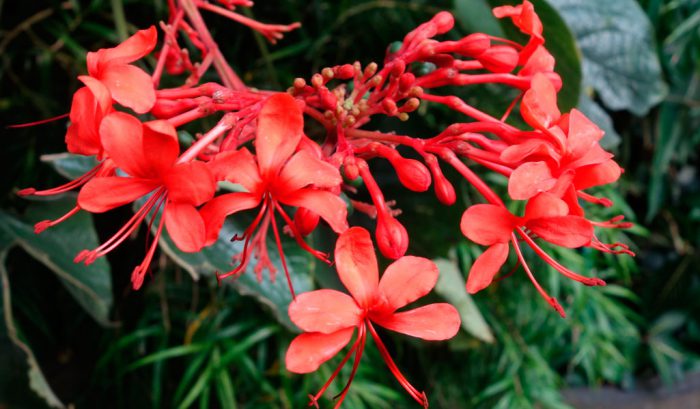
(148, 153)
(281, 172)
(329, 317)
(129, 85)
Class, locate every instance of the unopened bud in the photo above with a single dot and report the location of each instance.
(411, 105)
(406, 81)
(350, 169)
(416, 92)
(403, 116)
(370, 69)
(444, 191)
(328, 99)
(299, 83)
(317, 80)
(443, 22)
(398, 68)
(389, 106)
(327, 73)
(392, 238)
(344, 72)
(499, 59)
(473, 45)
(305, 221)
(377, 79)
(412, 174)
(350, 120)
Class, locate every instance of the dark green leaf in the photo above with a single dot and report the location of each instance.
(56, 247)
(619, 61)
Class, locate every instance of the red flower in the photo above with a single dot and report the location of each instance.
(566, 155)
(330, 317)
(546, 216)
(129, 85)
(525, 18)
(90, 105)
(278, 174)
(148, 153)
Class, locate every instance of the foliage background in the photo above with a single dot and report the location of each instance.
(80, 336)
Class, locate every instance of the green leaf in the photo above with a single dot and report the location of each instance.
(70, 165)
(91, 286)
(37, 380)
(475, 16)
(450, 286)
(619, 61)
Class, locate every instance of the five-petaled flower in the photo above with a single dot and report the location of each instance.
(148, 153)
(329, 317)
(283, 171)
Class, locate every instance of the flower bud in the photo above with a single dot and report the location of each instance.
(406, 81)
(411, 105)
(499, 59)
(166, 108)
(344, 72)
(327, 73)
(412, 174)
(444, 21)
(299, 83)
(392, 238)
(370, 69)
(328, 99)
(317, 80)
(473, 45)
(389, 106)
(444, 191)
(305, 221)
(398, 68)
(351, 170)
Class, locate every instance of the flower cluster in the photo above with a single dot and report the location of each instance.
(129, 123)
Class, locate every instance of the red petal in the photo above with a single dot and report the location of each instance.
(82, 136)
(406, 280)
(540, 61)
(280, 128)
(308, 351)
(237, 167)
(303, 169)
(99, 92)
(539, 105)
(138, 45)
(529, 179)
(531, 147)
(356, 263)
(566, 231)
(486, 267)
(105, 193)
(160, 145)
(488, 224)
(545, 205)
(185, 226)
(433, 322)
(215, 211)
(130, 86)
(329, 206)
(324, 311)
(583, 134)
(122, 139)
(190, 182)
(596, 175)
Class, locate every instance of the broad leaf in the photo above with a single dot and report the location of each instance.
(70, 165)
(619, 61)
(451, 287)
(91, 286)
(36, 379)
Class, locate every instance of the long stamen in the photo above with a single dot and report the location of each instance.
(591, 281)
(45, 224)
(361, 337)
(415, 394)
(91, 255)
(281, 251)
(551, 300)
(79, 181)
(139, 272)
(335, 373)
(295, 232)
(245, 254)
